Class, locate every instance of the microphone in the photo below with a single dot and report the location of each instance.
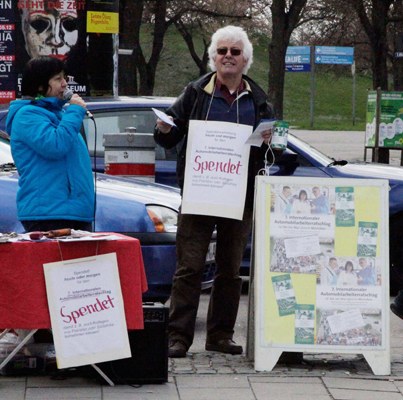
(68, 94)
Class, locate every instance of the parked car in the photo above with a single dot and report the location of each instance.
(133, 207)
(299, 159)
(114, 115)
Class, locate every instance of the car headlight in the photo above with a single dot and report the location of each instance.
(165, 219)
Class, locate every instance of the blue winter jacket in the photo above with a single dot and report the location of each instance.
(52, 159)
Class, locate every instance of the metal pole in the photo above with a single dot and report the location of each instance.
(312, 100)
(354, 91)
(375, 154)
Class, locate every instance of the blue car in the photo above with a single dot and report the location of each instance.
(299, 159)
(133, 207)
(114, 115)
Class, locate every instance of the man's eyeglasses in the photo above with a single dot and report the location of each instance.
(222, 51)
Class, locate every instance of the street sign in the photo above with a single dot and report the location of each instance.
(298, 59)
(298, 50)
(298, 67)
(334, 55)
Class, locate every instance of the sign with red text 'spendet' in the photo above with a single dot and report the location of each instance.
(86, 310)
(216, 169)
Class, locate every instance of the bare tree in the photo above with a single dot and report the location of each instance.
(133, 14)
(375, 16)
(187, 34)
(396, 40)
(160, 15)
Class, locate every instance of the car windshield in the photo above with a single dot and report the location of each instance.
(116, 122)
(303, 147)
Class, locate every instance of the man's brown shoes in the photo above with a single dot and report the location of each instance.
(227, 346)
(177, 349)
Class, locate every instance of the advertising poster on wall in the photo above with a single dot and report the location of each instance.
(321, 264)
(86, 310)
(390, 120)
(59, 29)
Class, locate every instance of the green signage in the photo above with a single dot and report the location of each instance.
(390, 121)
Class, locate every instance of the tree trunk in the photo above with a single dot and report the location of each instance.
(147, 70)
(375, 27)
(283, 24)
(130, 22)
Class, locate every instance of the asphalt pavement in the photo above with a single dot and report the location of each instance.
(213, 376)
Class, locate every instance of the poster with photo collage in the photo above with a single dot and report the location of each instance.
(321, 263)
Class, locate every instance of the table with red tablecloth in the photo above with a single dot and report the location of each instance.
(23, 301)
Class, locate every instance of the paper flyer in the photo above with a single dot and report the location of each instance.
(284, 293)
(255, 139)
(367, 239)
(304, 324)
(345, 206)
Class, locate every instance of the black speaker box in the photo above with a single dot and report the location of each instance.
(149, 348)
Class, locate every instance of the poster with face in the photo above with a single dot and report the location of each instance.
(60, 28)
(49, 30)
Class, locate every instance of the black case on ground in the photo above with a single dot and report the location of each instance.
(149, 348)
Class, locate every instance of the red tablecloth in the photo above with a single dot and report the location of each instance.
(23, 302)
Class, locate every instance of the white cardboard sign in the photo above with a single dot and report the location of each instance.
(86, 310)
(216, 169)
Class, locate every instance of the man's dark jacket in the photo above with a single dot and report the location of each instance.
(193, 104)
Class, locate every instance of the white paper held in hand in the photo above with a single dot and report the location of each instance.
(256, 139)
(163, 117)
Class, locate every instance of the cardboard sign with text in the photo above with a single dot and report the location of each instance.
(86, 310)
(216, 169)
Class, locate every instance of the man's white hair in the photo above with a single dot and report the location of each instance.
(232, 34)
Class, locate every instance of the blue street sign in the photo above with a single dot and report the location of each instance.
(334, 55)
(334, 50)
(298, 59)
(298, 67)
(291, 50)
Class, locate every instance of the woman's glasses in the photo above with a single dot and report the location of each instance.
(222, 51)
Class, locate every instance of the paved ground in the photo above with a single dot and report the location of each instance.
(211, 376)
(342, 145)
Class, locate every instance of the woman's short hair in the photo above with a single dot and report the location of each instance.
(232, 34)
(37, 73)
(349, 264)
(303, 192)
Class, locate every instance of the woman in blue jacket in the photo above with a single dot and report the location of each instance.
(56, 188)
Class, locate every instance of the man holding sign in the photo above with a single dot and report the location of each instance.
(212, 119)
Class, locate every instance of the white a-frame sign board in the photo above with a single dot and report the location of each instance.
(321, 269)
